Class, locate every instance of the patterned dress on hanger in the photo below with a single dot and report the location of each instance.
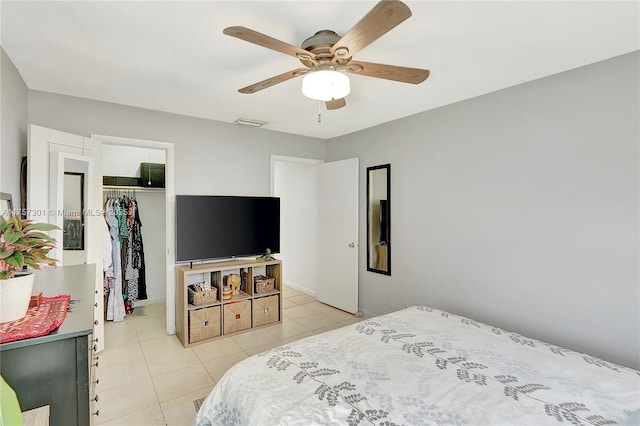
(115, 303)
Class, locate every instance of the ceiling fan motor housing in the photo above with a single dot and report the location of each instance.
(319, 45)
(323, 39)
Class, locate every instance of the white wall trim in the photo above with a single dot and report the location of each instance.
(170, 198)
(275, 158)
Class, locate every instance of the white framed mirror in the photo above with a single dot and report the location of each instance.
(379, 219)
(71, 177)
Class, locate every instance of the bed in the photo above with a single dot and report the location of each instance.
(422, 366)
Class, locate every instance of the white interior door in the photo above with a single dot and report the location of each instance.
(49, 154)
(338, 234)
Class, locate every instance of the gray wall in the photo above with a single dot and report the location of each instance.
(14, 115)
(518, 208)
(211, 157)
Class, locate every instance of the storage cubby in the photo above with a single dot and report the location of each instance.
(244, 311)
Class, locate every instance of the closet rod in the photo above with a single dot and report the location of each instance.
(132, 188)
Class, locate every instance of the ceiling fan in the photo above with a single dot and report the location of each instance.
(326, 56)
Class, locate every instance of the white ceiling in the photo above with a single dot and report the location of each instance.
(172, 56)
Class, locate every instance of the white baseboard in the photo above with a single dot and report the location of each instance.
(139, 303)
(302, 289)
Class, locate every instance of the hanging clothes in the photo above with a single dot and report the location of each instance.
(115, 301)
(131, 272)
(107, 259)
(129, 279)
(138, 252)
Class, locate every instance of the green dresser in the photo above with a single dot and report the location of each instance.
(55, 370)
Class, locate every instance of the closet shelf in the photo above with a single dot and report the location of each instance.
(133, 188)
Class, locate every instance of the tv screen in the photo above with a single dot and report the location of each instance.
(214, 227)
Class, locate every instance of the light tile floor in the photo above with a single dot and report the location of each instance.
(149, 378)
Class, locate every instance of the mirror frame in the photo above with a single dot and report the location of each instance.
(6, 204)
(386, 167)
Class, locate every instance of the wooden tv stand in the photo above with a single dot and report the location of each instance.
(246, 311)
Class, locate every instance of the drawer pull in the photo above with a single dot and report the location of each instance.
(95, 398)
(96, 339)
(96, 322)
(97, 413)
(97, 364)
(96, 381)
(95, 304)
(95, 348)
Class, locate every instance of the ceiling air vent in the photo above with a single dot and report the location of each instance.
(249, 123)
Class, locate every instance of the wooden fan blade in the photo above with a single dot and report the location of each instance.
(336, 104)
(263, 40)
(388, 72)
(384, 16)
(273, 81)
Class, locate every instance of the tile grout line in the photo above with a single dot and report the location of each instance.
(146, 363)
(287, 296)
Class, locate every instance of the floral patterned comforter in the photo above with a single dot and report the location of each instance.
(421, 366)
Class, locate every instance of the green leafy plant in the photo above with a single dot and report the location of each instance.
(24, 243)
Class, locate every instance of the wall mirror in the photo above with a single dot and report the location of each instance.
(379, 219)
(73, 205)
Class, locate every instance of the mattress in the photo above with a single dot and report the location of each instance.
(422, 366)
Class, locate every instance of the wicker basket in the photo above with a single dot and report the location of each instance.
(264, 284)
(199, 298)
(204, 323)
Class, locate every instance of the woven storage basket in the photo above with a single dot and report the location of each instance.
(237, 316)
(264, 284)
(199, 298)
(204, 323)
(265, 310)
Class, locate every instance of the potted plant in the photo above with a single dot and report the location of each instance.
(22, 243)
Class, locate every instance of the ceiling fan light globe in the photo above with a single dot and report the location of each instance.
(325, 85)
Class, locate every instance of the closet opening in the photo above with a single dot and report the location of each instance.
(146, 260)
(134, 275)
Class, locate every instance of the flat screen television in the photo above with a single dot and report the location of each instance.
(215, 227)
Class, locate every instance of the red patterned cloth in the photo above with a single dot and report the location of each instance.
(39, 321)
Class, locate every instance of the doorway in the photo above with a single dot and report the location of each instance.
(295, 182)
(319, 227)
(169, 210)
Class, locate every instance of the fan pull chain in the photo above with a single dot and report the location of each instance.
(319, 114)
